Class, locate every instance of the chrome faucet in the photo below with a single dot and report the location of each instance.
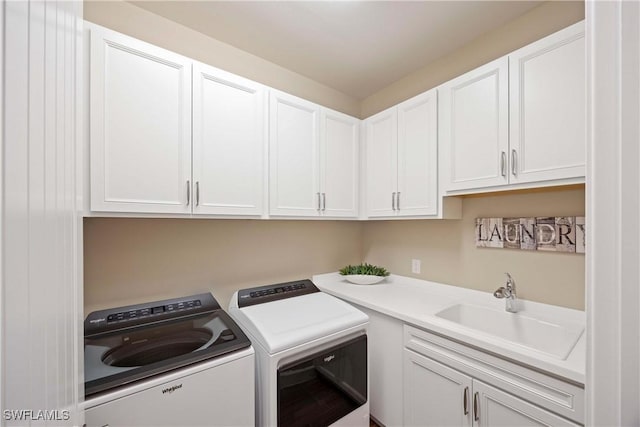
(508, 292)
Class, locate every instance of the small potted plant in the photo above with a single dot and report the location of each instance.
(364, 274)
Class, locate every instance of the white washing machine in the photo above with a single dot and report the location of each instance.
(311, 355)
(180, 362)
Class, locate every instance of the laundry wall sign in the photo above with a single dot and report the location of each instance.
(549, 233)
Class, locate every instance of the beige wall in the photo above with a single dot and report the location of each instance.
(128, 260)
(543, 20)
(134, 260)
(139, 23)
(448, 253)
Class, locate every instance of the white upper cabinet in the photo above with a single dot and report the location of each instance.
(548, 108)
(339, 164)
(474, 128)
(526, 128)
(143, 156)
(294, 156)
(382, 162)
(418, 156)
(170, 136)
(140, 126)
(402, 163)
(313, 158)
(228, 143)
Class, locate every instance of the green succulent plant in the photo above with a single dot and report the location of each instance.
(366, 269)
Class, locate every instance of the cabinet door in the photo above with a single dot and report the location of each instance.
(434, 394)
(382, 163)
(293, 149)
(228, 143)
(418, 156)
(474, 128)
(339, 164)
(495, 408)
(140, 126)
(548, 108)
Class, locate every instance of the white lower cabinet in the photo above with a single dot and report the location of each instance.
(493, 407)
(446, 383)
(436, 395)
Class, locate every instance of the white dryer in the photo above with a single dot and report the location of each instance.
(311, 355)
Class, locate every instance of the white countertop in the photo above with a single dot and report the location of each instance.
(417, 301)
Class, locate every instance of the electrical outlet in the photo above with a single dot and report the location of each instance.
(415, 266)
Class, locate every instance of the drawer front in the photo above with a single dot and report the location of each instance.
(561, 397)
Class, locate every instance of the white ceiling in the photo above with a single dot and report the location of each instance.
(356, 47)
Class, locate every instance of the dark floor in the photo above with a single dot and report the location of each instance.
(372, 423)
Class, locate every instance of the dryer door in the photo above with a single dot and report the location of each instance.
(320, 389)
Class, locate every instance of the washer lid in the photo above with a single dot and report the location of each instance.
(283, 324)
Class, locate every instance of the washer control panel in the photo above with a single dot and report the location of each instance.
(154, 311)
(112, 319)
(264, 294)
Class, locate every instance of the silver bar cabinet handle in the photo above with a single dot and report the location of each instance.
(324, 202)
(197, 193)
(188, 192)
(398, 200)
(465, 400)
(319, 205)
(476, 407)
(514, 162)
(393, 200)
(503, 164)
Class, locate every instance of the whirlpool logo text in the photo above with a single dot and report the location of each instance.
(171, 389)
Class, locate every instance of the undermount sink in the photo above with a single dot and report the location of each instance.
(552, 338)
